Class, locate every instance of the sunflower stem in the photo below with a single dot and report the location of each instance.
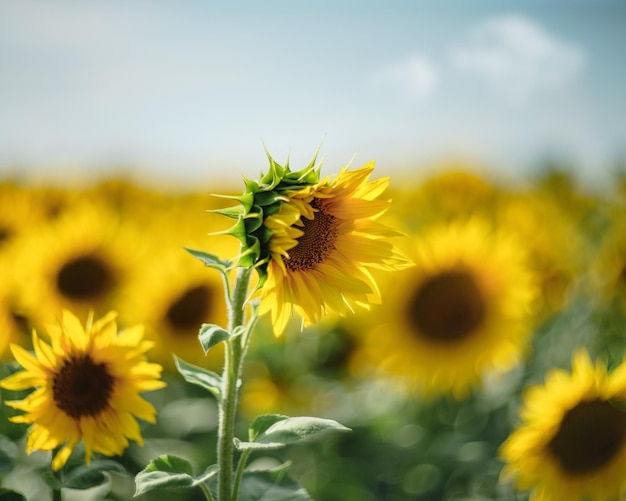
(56, 491)
(240, 467)
(206, 491)
(232, 372)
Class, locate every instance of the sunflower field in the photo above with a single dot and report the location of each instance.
(457, 337)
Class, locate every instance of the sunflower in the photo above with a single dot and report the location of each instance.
(79, 262)
(557, 247)
(454, 190)
(464, 309)
(571, 443)
(13, 324)
(324, 242)
(170, 292)
(87, 383)
(173, 295)
(608, 266)
(19, 213)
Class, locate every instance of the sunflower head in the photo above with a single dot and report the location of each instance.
(464, 311)
(571, 442)
(86, 385)
(261, 199)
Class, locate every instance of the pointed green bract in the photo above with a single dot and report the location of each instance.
(261, 199)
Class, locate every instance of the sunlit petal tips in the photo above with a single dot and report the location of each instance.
(86, 379)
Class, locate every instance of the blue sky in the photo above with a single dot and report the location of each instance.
(192, 89)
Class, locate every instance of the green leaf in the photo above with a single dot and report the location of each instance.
(211, 260)
(88, 476)
(9, 495)
(290, 430)
(262, 423)
(200, 376)
(271, 485)
(170, 464)
(170, 472)
(84, 476)
(211, 334)
(7, 453)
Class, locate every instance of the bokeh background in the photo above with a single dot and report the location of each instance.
(190, 90)
(119, 119)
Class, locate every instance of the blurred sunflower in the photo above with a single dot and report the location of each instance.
(173, 295)
(78, 261)
(571, 443)
(557, 249)
(13, 324)
(87, 384)
(464, 309)
(125, 197)
(324, 241)
(608, 267)
(19, 213)
(269, 389)
(455, 190)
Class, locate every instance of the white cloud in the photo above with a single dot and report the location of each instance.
(518, 57)
(416, 76)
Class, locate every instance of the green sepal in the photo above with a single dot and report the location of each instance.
(200, 377)
(232, 212)
(170, 472)
(246, 200)
(261, 199)
(250, 256)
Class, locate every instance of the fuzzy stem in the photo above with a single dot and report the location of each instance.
(230, 377)
(206, 492)
(240, 467)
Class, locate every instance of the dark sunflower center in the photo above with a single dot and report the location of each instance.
(82, 387)
(447, 307)
(5, 234)
(85, 278)
(318, 240)
(590, 435)
(621, 278)
(190, 309)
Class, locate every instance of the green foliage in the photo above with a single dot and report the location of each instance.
(211, 260)
(170, 472)
(211, 334)
(200, 376)
(273, 431)
(85, 476)
(9, 495)
(271, 485)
